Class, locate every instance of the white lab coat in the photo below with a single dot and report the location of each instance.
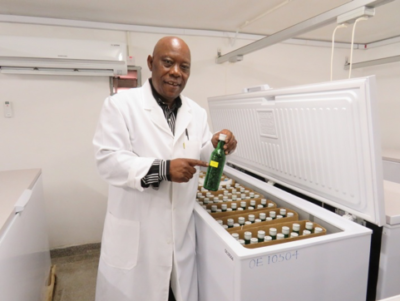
(149, 235)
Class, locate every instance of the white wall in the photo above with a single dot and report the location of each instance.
(55, 117)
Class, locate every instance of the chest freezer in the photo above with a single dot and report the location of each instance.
(319, 141)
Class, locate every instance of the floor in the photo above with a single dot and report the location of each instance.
(76, 271)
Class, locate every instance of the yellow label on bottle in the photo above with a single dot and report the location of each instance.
(214, 164)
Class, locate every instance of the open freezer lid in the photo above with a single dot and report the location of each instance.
(321, 140)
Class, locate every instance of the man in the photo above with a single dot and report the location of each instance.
(149, 144)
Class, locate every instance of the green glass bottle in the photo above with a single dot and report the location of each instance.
(216, 166)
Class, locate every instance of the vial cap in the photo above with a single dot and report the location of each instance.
(263, 201)
(229, 209)
(280, 236)
(309, 225)
(240, 209)
(222, 137)
(279, 216)
(235, 235)
(282, 211)
(241, 219)
(224, 206)
(225, 226)
(241, 241)
(272, 231)
(262, 215)
(290, 214)
(269, 218)
(236, 225)
(293, 234)
(272, 214)
(247, 235)
(243, 204)
(306, 232)
(257, 220)
(285, 230)
(318, 230)
(267, 238)
(253, 203)
(230, 221)
(213, 207)
(261, 233)
(220, 222)
(270, 205)
(260, 206)
(296, 227)
(248, 223)
(234, 205)
(250, 208)
(251, 217)
(253, 240)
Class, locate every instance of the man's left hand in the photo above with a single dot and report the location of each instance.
(230, 141)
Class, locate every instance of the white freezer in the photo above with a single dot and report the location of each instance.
(24, 249)
(322, 141)
(389, 264)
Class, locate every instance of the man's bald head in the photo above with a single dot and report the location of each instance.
(170, 67)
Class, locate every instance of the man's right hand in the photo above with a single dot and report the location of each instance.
(182, 170)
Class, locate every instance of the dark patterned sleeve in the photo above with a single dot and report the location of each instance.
(158, 172)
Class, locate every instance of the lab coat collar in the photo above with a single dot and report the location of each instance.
(183, 117)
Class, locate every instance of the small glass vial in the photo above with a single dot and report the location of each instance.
(234, 206)
(267, 238)
(282, 212)
(243, 205)
(259, 206)
(262, 216)
(243, 196)
(294, 234)
(280, 236)
(214, 208)
(253, 240)
(272, 233)
(270, 205)
(247, 237)
(272, 214)
(253, 203)
(286, 231)
(310, 227)
(242, 242)
(306, 232)
(290, 214)
(234, 197)
(206, 201)
(251, 218)
(241, 220)
(251, 195)
(318, 230)
(224, 207)
(235, 236)
(230, 222)
(225, 198)
(264, 202)
(216, 200)
(260, 235)
(296, 228)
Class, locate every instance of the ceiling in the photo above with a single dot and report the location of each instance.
(219, 15)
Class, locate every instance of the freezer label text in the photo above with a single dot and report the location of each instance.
(273, 259)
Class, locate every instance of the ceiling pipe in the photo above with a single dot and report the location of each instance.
(300, 28)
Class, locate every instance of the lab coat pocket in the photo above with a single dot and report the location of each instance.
(120, 244)
(191, 149)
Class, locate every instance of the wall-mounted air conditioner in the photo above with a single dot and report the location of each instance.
(34, 55)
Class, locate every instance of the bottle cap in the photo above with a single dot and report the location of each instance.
(213, 208)
(225, 198)
(285, 230)
(318, 230)
(247, 235)
(252, 194)
(243, 204)
(248, 223)
(236, 225)
(290, 214)
(220, 222)
(272, 231)
(272, 213)
(235, 236)
(240, 209)
(296, 227)
(222, 137)
(309, 225)
(306, 232)
(268, 218)
(224, 206)
(280, 236)
(241, 220)
(234, 197)
(253, 240)
(199, 194)
(267, 238)
(250, 208)
(237, 185)
(243, 196)
(257, 220)
(216, 200)
(225, 226)
(294, 234)
(259, 206)
(251, 217)
(260, 234)
(279, 216)
(263, 201)
(206, 200)
(256, 196)
(282, 211)
(262, 215)
(230, 221)
(253, 203)
(242, 242)
(270, 205)
(233, 205)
